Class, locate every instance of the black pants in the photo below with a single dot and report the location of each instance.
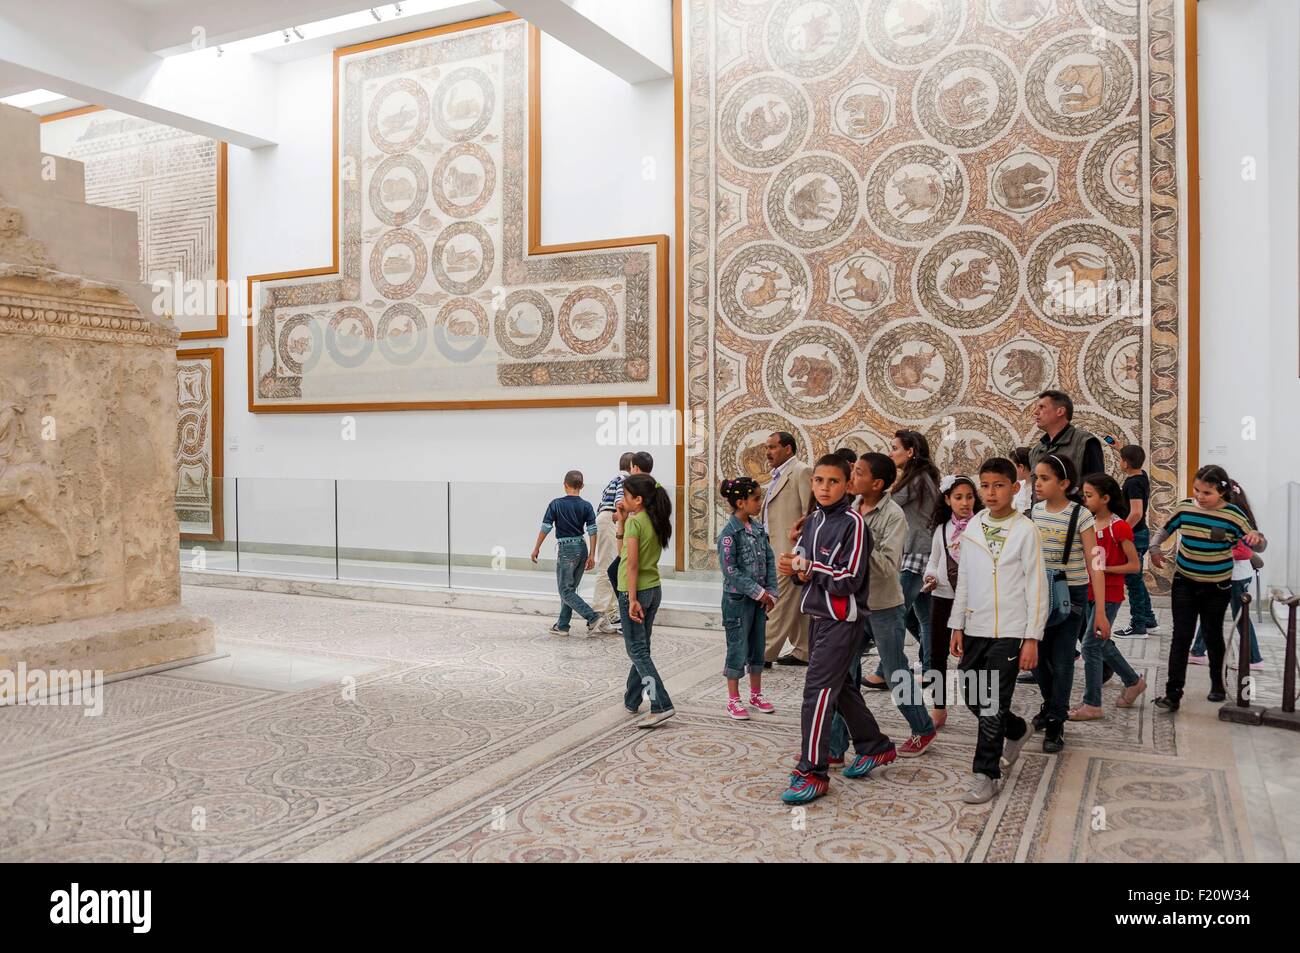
(829, 684)
(989, 667)
(940, 640)
(1190, 601)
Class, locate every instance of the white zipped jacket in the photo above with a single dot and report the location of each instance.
(1004, 597)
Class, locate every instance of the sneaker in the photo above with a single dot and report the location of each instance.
(804, 788)
(756, 700)
(982, 789)
(1011, 750)
(736, 710)
(1167, 704)
(880, 686)
(614, 619)
(1087, 713)
(792, 660)
(835, 761)
(1152, 624)
(601, 626)
(1217, 696)
(1040, 720)
(655, 718)
(1053, 737)
(1129, 633)
(1026, 678)
(915, 746)
(864, 764)
(1197, 660)
(1129, 695)
(556, 630)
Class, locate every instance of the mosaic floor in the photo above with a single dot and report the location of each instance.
(367, 731)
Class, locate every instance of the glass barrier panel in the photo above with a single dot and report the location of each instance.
(286, 526)
(393, 532)
(205, 512)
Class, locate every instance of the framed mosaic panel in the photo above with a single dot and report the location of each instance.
(441, 294)
(199, 421)
(920, 214)
(175, 182)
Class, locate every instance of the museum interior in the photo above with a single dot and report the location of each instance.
(375, 381)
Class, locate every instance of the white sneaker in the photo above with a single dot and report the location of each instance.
(600, 627)
(1011, 749)
(655, 718)
(982, 789)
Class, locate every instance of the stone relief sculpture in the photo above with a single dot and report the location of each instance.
(441, 295)
(922, 213)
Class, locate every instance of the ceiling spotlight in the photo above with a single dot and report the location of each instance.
(220, 51)
(398, 8)
(286, 35)
(378, 18)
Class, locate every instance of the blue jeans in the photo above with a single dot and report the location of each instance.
(1096, 651)
(1055, 670)
(643, 678)
(745, 624)
(916, 612)
(1234, 604)
(886, 627)
(1140, 613)
(570, 564)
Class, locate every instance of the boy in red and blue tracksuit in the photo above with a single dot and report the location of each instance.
(832, 562)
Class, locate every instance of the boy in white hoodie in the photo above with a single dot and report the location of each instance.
(998, 616)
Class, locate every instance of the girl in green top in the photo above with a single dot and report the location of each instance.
(646, 525)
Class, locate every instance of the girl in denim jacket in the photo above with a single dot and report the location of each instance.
(748, 593)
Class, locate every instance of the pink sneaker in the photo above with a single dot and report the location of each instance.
(756, 700)
(1197, 660)
(736, 710)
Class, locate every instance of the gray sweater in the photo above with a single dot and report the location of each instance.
(918, 500)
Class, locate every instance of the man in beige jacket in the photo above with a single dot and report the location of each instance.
(786, 502)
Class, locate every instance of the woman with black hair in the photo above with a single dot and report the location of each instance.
(917, 491)
(644, 532)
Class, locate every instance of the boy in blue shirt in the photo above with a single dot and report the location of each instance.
(570, 515)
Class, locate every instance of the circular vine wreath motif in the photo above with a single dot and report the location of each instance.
(442, 329)
(487, 259)
(380, 179)
(963, 438)
(546, 315)
(1112, 344)
(915, 370)
(191, 427)
(1110, 276)
(763, 121)
(1105, 13)
(421, 117)
(567, 318)
(1078, 83)
(1097, 173)
(739, 453)
(941, 192)
(812, 201)
(381, 263)
(486, 189)
(389, 332)
(285, 342)
(363, 332)
(744, 306)
(966, 95)
(444, 113)
(823, 389)
(944, 291)
(822, 43)
(889, 21)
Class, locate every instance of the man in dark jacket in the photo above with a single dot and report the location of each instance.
(1053, 414)
(832, 562)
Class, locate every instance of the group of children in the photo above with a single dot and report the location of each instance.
(1011, 590)
(1017, 582)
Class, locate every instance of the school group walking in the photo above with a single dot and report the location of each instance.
(1016, 572)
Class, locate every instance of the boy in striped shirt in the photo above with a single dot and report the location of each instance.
(1209, 525)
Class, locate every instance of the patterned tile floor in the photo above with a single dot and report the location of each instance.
(354, 730)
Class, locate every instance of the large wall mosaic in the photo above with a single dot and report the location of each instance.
(199, 378)
(921, 213)
(440, 299)
(174, 181)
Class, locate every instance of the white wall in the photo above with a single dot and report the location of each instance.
(1250, 307)
(607, 169)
